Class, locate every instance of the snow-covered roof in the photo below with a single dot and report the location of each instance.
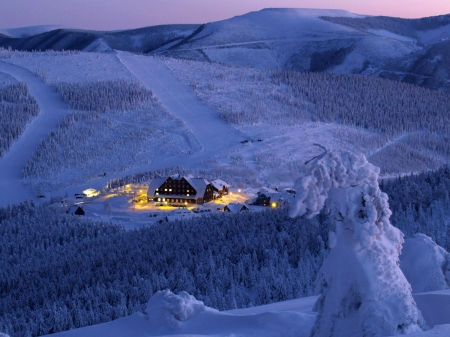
(154, 184)
(74, 208)
(267, 191)
(235, 208)
(199, 184)
(219, 184)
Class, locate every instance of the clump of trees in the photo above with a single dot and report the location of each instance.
(375, 104)
(17, 108)
(119, 95)
(420, 204)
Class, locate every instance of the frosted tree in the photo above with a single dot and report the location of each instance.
(363, 292)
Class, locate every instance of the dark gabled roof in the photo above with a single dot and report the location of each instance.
(235, 208)
(199, 184)
(75, 209)
(154, 184)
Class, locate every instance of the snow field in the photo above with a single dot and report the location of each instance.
(252, 99)
(6, 79)
(169, 314)
(69, 66)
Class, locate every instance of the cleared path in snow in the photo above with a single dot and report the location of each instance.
(52, 109)
(212, 133)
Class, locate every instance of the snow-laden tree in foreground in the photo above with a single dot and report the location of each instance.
(363, 292)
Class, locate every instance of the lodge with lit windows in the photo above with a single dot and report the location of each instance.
(180, 191)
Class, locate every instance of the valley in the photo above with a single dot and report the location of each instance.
(254, 100)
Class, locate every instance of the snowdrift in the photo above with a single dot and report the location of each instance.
(425, 264)
(168, 314)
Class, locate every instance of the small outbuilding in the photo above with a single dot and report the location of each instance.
(220, 187)
(76, 210)
(235, 208)
(91, 192)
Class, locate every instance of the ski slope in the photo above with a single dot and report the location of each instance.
(211, 132)
(52, 109)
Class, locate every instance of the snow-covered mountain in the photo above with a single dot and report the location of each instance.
(409, 50)
(24, 32)
(57, 38)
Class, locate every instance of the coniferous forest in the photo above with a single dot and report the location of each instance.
(60, 271)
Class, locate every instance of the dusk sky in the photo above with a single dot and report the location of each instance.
(123, 14)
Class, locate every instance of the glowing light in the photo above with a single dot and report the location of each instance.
(239, 190)
(274, 205)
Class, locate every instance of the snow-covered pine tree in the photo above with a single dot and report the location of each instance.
(363, 292)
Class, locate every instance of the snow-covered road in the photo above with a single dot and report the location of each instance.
(52, 109)
(211, 132)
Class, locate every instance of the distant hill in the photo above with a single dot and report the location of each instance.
(409, 50)
(143, 40)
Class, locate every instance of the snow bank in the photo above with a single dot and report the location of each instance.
(435, 307)
(425, 264)
(168, 314)
(171, 309)
(284, 319)
(363, 291)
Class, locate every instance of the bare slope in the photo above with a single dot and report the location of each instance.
(211, 132)
(52, 109)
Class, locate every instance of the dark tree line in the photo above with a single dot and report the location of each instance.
(371, 103)
(120, 95)
(59, 272)
(420, 204)
(17, 108)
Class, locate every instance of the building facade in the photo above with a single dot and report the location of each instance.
(180, 191)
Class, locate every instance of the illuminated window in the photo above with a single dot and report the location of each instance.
(159, 199)
(157, 193)
(187, 194)
(170, 190)
(165, 189)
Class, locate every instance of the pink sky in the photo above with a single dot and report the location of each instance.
(123, 14)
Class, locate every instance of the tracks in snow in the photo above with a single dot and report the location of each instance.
(52, 110)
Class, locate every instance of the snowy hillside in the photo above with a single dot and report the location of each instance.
(168, 314)
(24, 32)
(290, 39)
(141, 40)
